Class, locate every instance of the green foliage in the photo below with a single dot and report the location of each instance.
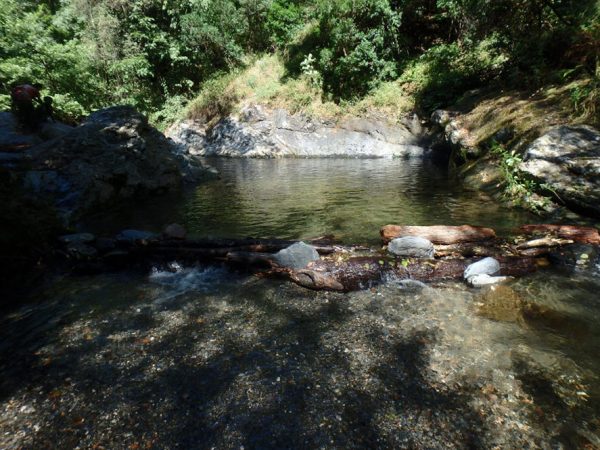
(36, 47)
(95, 53)
(356, 46)
(285, 18)
(156, 54)
(519, 189)
(444, 72)
(216, 100)
(309, 71)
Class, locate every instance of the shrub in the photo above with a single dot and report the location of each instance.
(444, 72)
(216, 99)
(355, 44)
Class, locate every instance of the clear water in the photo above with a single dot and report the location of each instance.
(303, 198)
(198, 357)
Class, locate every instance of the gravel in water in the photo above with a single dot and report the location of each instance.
(199, 358)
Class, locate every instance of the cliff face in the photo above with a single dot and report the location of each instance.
(258, 132)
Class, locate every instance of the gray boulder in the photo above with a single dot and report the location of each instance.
(296, 256)
(115, 154)
(11, 136)
(263, 133)
(567, 160)
(487, 266)
(53, 130)
(411, 246)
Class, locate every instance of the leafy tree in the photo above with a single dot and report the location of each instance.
(356, 43)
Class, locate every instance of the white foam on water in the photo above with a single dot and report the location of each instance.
(180, 280)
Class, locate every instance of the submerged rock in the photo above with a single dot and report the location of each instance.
(567, 159)
(577, 258)
(487, 266)
(81, 250)
(500, 303)
(504, 304)
(259, 132)
(411, 246)
(409, 285)
(296, 256)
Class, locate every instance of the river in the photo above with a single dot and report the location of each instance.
(200, 357)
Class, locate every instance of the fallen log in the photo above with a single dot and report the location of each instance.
(470, 249)
(580, 234)
(439, 234)
(222, 246)
(362, 272)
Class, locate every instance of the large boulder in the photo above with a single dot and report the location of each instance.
(259, 132)
(411, 246)
(567, 160)
(485, 266)
(11, 136)
(115, 154)
(296, 256)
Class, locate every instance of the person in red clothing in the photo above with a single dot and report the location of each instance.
(23, 97)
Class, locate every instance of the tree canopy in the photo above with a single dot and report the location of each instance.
(156, 54)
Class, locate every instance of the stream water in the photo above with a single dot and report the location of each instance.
(199, 357)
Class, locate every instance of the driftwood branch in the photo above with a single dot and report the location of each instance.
(583, 235)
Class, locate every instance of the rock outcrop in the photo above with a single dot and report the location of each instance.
(262, 133)
(567, 160)
(115, 154)
(10, 137)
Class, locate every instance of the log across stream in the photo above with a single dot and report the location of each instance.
(348, 268)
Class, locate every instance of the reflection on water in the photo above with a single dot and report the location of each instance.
(303, 198)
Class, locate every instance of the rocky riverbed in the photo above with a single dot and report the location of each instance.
(198, 357)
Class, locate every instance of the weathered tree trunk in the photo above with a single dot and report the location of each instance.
(362, 272)
(439, 234)
(584, 235)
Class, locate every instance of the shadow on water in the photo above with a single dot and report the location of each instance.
(276, 379)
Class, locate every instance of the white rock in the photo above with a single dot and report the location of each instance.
(487, 266)
(485, 280)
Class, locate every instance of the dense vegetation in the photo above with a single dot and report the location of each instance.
(158, 54)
